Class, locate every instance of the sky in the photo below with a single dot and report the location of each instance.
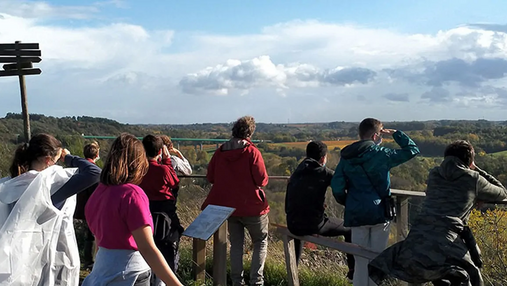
(179, 62)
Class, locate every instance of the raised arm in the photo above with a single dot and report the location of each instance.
(408, 148)
(88, 174)
(170, 177)
(339, 184)
(489, 189)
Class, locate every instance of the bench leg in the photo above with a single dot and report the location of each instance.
(290, 260)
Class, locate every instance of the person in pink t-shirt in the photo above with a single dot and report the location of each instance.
(118, 215)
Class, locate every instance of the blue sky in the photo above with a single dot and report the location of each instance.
(297, 61)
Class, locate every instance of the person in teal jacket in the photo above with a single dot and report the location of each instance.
(361, 182)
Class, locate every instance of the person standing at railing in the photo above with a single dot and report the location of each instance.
(178, 161)
(91, 153)
(37, 202)
(440, 246)
(305, 197)
(238, 173)
(159, 183)
(361, 182)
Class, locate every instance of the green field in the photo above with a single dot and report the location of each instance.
(501, 153)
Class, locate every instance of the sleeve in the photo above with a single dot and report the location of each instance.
(181, 165)
(210, 173)
(339, 184)
(259, 173)
(489, 189)
(88, 174)
(170, 177)
(399, 156)
(137, 211)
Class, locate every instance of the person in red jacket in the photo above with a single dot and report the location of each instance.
(238, 174)
(158, 184)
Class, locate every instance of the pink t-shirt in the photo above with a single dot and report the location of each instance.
(113, 212)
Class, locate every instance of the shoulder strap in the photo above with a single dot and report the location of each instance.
(371, 182)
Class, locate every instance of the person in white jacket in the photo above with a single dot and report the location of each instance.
(37, 241)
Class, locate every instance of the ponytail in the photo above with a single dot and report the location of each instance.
(41, 145)
(20, 162)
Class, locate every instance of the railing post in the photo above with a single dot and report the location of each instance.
(402, 221)
(199, 259)
(220, 256)
(402, 224)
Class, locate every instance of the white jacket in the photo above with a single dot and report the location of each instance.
(37, 241)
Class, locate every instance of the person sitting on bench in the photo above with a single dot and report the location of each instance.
(304, 201)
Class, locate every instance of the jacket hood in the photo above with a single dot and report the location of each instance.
(308, 165)
(233, 149)
(452, 168)
(356, 151)
(12, 189)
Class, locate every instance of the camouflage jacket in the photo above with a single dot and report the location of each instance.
(433, 250)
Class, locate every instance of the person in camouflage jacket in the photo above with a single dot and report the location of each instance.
(434, 250)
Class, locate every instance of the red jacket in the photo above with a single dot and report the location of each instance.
(159, 181)
(237, 173)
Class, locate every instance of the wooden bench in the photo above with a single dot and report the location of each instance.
(290, 254)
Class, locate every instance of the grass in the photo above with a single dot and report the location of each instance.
(501, 153)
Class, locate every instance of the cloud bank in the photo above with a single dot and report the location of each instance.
(305, 70)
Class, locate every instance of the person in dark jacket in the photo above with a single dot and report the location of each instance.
(436, 247)
(361, 182)
(238, 174)
(305, 197)
(91, 153)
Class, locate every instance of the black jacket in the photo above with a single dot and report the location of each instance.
(305, 196)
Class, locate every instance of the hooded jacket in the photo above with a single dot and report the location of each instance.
(433, 249)
(37, 241)
(361, 179)
(305, 196)
(238, 174)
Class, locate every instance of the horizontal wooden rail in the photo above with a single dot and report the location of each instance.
(394, 192)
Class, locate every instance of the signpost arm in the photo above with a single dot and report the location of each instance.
(24, 103)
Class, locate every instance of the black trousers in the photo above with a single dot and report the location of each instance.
(88, 245)
(169, 247)
(329, 227)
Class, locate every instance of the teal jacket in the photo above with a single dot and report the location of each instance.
(361, 179)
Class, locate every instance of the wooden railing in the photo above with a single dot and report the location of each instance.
(220, 237)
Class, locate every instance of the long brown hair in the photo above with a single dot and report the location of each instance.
(41, 145)
(125, 163)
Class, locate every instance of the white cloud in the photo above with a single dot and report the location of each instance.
(42, 9)
(320, 67)
(262, 72)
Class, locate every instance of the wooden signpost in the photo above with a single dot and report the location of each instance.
(18, 59)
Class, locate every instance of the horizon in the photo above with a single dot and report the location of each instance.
(260, 122)
(155, 62)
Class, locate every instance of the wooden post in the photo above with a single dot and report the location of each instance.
(220, 256)
(402, 221)
(199, 259)
(22, 87)
(290, 260)
(402, 225)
